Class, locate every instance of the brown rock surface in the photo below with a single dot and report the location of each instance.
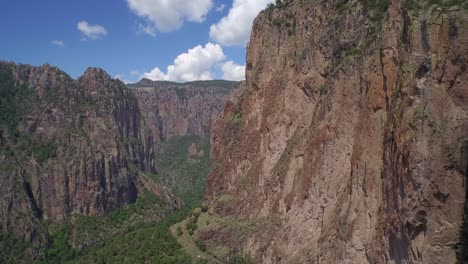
(179, 109)
(352, 131)
(97, 148)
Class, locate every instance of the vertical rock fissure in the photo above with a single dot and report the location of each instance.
(35, 208)
(462, 246)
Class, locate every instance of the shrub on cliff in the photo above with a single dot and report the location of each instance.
(239, 259)
(201, 245)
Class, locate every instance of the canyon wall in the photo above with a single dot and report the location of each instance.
(180, 109)
(349, 142)
(69, 147)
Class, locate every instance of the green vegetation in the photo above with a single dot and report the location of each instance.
(38, 148)
(179, 231)
(145, 243)
(191, 224)
(137, 233)
(341, 5)
(378, 8)
(15, 101)
(59, 249)
(323, 89)
(181, 93)
(422, 4)
(240, 259)
(278, 4)
(131, 141)
(13, 250)
(270, 7)
(216, 249)
(187, 178)
(236, 117)
(418, 115)
(124, 236)
(201, 245)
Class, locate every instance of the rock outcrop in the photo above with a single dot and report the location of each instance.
(179, 109)
(69, 147)
(349, 142)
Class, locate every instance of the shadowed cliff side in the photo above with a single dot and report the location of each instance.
(347, 144)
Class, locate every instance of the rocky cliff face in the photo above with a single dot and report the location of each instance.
(349, 142)
(179, 109)
(69, 147)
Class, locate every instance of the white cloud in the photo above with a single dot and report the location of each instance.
(148, 29)
(58, 43)
(134, 72)
(122, 78)
(233, 72)
(234, 29)
(91, 31)
(196, 64)
(220, 8)
(169, 15)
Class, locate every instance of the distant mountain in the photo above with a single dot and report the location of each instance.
(175, 109)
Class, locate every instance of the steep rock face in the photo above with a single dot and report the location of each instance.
(349, 141)
(69, 147)
(176, 109)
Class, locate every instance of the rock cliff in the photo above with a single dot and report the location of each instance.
(179, 109)
(349, 142)
(69, 147)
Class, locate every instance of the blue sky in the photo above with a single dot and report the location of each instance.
(111, 36)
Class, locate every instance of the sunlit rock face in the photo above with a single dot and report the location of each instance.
(348, 142)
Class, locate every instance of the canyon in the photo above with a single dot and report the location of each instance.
(71, 148)
(347, 143)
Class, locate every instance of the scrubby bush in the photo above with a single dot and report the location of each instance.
(201, 245)
(270, 7)
(239, 259)
(179, 231)
(191, 227)
(236, 117)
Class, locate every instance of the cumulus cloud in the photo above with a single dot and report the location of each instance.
(196, 64)
(58, 43)
(233, 72)
(91, 31)
(234, 29)
(170, 15)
